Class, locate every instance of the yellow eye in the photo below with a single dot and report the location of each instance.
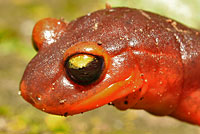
(83, 68)
(80, 60)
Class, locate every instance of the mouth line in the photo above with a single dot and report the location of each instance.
(113, 92)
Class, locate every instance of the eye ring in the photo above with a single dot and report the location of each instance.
(83, 68)
(86, 63)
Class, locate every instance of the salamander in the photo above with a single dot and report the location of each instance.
(128, 58)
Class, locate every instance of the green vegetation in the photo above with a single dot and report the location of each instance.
(17, 18)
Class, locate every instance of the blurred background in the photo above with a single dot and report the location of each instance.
(17, 18)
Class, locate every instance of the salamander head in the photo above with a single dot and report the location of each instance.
(79, 66)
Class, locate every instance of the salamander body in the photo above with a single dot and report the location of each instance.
(126, 57)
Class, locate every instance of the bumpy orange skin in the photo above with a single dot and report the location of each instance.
(151, 63)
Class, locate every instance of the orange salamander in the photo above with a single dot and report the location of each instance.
(125, 57)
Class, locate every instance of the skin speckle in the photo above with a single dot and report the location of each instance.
(126, 37)
(62, 101)
(141, 98)
(88, 14)
(168, 29)
(141, 74)
(126, 102)
(96, 26)
(110, 103)
(161, 72)
(156, 41)
(141, 30)
(38, 98)
(145, 14)
(99, 43)
(53, 84)
(74, 96)
(159, 94)
(174, 24)
(58, 22)
(111, 10)
(121, 38)
(133, 43)
(184, 53)
(169, 21)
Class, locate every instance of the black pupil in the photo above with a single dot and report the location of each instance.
(87, 74)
